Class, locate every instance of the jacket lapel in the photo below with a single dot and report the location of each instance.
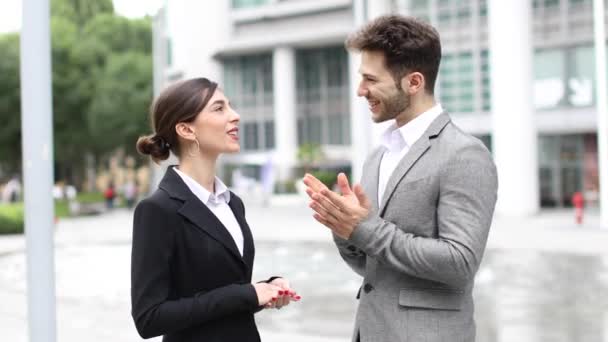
(198, 213)
(412, 156)
(371, 176)
(248, 246)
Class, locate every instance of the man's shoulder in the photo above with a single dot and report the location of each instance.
(454, 139)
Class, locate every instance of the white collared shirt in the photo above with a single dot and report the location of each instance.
(218, 204)
(399, 140)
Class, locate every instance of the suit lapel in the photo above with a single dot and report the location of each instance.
(198, 213)
(412, 156)
(248, 246)
(371, 176)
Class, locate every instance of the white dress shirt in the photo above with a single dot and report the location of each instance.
(399, 140)
(218, 204)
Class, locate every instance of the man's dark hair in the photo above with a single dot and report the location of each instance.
(408, 44)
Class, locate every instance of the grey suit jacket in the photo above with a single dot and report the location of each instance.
(419, 249)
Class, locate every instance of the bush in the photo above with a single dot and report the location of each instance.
(11, 215)
(285, 187)
(90, 197)
(11, 219)
(326, 177)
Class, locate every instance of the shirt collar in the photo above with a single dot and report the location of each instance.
(221, 190)
(396, 138)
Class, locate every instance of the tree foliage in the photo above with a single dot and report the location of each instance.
(102, 84)
(10, 106)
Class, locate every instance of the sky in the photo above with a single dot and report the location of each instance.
(10, 11)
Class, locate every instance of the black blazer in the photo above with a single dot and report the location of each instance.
(188, 279)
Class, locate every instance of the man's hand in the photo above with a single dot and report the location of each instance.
(340, 213)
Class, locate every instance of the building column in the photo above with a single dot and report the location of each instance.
(514, 136)
(360, 121)
(285, 118)
(599, 28)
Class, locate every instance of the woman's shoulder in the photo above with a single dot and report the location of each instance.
(158, 200)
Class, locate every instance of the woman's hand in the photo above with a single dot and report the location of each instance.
(286, 294)
(267, 293)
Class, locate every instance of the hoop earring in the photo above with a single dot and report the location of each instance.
(198, 149)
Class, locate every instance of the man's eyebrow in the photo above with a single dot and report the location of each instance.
(368, 75)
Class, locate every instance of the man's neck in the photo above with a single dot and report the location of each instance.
(416, 108)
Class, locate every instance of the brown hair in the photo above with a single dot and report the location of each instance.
(181, 102)
(408, 44)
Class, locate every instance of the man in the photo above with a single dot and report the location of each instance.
(416, 227)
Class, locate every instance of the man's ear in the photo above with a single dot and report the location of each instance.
(185, 130)
(413, 83)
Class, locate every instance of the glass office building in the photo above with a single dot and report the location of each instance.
(283, 65)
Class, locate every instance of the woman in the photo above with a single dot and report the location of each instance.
(192, 248)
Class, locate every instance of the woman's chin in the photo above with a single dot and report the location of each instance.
(233, 149)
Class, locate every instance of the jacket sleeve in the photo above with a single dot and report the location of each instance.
(467, 195)
(354, 257)
(153, 312)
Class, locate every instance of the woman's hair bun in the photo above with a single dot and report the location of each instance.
(154, 146)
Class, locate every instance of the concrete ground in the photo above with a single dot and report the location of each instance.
(102, 314)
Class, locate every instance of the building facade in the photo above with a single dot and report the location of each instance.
(283, 65)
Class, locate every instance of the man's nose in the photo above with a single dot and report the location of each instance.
(362, 90)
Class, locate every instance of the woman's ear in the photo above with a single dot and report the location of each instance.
(185, 131)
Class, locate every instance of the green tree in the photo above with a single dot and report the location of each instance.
(80, 11)
(309, 155)
(102, 84)
(118, 113)
(10, 105)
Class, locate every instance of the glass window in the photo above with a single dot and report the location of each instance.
(549, 85)
(250, 135)
(322, 96)
(581, 77)
(269, 134)
(248, 3)
(456, 82)
(248, 84)
(420, 4)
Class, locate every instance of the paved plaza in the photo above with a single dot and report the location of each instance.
(543, 278)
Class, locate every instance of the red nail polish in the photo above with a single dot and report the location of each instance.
(274, 298)
(280, 293)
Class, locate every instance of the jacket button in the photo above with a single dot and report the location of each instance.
(368, 288)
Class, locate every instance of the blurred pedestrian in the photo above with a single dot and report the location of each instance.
(578, 202)
(130, 192)
(71, 195)
(109, 195)
(11, 193)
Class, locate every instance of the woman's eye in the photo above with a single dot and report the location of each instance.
(219, 109)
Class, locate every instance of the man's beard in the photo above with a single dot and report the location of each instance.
(393, 106)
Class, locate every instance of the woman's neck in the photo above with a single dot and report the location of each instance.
(201, 169)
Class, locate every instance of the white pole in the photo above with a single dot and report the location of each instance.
(360, 120)
(599, 29)
(37, 141)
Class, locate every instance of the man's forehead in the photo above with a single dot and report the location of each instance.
(372, 63)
